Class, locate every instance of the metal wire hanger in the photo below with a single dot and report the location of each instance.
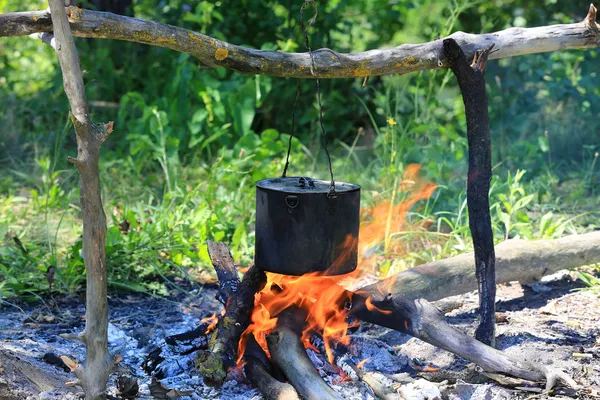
(314, 74)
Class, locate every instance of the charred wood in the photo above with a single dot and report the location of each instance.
(221, 354)
(422, 320)
(225, 268)
(471, 81)
(173, 359)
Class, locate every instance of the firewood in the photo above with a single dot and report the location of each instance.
(258, 368)
(222, 347)
(422, 320)
(381, 390)
(166, 361)
(260, 371)
(225, 268)
(516, 260)
(21, 373)
(289, 354)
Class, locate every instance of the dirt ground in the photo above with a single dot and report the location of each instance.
(547, 322)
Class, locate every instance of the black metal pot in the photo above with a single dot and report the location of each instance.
(301, 227)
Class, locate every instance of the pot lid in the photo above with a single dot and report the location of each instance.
(303, 184)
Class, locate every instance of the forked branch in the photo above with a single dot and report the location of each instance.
(93, 374)
(402, 59)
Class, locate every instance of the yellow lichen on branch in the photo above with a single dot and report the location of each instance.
(406, 62)
(195, 37)
(361, 70)
(221, 54)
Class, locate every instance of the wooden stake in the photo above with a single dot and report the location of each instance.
(98, 364)
(471, 80)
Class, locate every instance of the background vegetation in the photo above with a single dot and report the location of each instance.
(189, 142)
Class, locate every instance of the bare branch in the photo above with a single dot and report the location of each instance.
(590, 21)
(405, 58)
(73, 336)
(69, 62)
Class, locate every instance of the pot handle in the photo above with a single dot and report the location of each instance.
(303, 181)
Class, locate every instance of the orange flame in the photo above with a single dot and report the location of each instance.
(322, 296)
(213, 320)
(361, 364)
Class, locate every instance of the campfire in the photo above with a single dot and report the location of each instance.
(323, 297)
(270, 320)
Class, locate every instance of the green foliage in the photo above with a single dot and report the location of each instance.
(590, 280)
(189, 142)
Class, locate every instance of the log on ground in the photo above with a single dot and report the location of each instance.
(420, 319)
(24, 375)
(516, 260)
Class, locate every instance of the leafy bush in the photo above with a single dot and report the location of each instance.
(190, 142)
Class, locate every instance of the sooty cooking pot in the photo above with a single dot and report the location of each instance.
(301, 226)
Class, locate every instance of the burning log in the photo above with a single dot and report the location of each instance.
(221, 353)
(452, 276)
(289, 354)
(260, 371)
(287, 297)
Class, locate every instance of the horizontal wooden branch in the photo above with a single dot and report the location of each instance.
(516, 260)
(402, 59)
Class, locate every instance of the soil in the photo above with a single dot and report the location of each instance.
(547, 322)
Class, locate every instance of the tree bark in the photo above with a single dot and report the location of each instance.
(471, 81)
(402, 59)
(99, 364)
(516, 260)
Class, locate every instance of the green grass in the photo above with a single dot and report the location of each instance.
(188, 144)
